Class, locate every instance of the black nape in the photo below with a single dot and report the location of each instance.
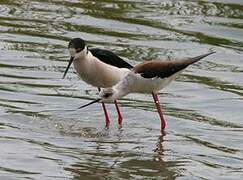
(77, 43)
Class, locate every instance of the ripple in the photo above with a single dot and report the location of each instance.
(45, 138)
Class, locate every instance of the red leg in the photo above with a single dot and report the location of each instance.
(119, 114)
(156, 101)
(107, 119)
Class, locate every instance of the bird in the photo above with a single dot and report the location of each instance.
(98, 67)
(147, 77)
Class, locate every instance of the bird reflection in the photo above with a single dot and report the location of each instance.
(159, 147)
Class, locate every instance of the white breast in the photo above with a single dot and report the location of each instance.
(95, 72)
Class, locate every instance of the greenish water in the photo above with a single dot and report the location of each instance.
(40, 139)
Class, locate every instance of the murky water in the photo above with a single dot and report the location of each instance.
(40, 139)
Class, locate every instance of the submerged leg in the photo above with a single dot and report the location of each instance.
(107, 119)
(156, 101)
(119, 114)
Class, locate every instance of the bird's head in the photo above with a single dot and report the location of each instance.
(108, 94)
(77, 50)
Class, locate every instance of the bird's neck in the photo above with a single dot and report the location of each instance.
(125, 86)
(82, 55)
(119, 93)
(83, 64)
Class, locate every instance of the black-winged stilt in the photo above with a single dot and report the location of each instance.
(98, 67)
(147, 77)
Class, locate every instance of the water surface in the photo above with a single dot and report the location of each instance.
(41, 139)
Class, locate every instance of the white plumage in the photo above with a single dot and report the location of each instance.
(147, 77)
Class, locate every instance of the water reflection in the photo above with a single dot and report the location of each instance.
(45, 138)
(121, 164)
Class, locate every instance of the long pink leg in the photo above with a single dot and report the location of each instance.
(107, 119)
(119, 114)
(156, 101)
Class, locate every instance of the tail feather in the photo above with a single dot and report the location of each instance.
(164, 69)
(197, 58)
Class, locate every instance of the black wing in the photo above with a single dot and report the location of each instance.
(165, 69)
(110, 58)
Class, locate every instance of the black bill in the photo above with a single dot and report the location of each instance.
(92, 102)
(69, 64)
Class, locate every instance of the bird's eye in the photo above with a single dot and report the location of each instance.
(107, 95)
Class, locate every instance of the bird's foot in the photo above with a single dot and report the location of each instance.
(120, 122)
(162, 131)
(119, 126)
(107, 123)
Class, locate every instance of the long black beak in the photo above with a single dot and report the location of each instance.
(92, 102)
(69, 64)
